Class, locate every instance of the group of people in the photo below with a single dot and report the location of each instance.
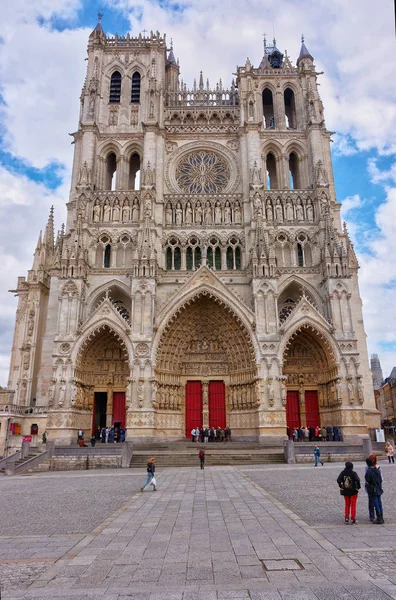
(210, 434)
(315, 434)
(105, 435)
(349, 484)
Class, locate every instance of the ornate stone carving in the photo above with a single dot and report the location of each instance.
(142, 349)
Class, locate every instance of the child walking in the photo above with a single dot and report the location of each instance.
(349, 483)
(150, 475)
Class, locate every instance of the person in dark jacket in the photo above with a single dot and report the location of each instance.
(349, 483)
(373, 479)
(150, 475)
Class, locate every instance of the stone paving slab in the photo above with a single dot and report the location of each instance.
(204, 534)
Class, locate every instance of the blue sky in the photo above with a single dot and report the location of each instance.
(42, 69)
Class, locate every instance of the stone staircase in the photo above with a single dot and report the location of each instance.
(20, 461)
(185, 454)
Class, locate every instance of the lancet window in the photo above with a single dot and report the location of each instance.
(115, 88)
(272, 176)
(107, 257)
(233, 255)
(173, 255)
(290, 109)
(135, 89)
(111, 169)
(294, 172)
(268, 109)
(134, 172)
(193, 255)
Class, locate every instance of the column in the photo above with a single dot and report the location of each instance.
(205, 404)
(303, 412)
(109, 406)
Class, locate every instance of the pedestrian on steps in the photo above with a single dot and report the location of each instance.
(150, 475)
(202, 458)
(349, 484)
(373, 479)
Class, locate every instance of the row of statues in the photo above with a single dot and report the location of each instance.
(203, 214)
(128, 210)
(284, 211)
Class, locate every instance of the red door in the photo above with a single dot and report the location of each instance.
(292, 411)
(119, 408)
(217, 413)
(312, 409)
(193, 406)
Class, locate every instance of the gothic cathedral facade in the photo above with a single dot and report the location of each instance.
(203, 277)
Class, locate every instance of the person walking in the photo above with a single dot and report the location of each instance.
(317, 456)
(150, 475)
(389, 452)
(202, 458)
(373, 479)
(349, 484)
(193, 434)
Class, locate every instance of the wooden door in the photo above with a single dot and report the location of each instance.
(193, 406)
(217, 411)
(292, 411)
(312, 408)
(119, 409)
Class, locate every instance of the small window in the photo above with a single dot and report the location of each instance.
(300, 255)
(107, 254)
(135, 91)
(230, 258)
(218, 258)
(189, 259)
(238, 258)
(177, 259)
(169, 259)
(115, 87)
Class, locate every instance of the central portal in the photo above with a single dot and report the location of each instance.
(205, 405)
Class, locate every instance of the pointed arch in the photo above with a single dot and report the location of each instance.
(312, 328)
(90, 335)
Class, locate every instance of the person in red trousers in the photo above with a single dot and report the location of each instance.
(349, 483)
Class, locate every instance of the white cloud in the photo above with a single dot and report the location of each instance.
(24, 209)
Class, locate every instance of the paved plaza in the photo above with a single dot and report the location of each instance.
(272, 532)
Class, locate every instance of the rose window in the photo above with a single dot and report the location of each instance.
(202, 173)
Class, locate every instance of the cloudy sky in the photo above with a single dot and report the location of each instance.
(42, 69)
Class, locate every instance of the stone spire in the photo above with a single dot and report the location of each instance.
(49, 232)
(304, 52)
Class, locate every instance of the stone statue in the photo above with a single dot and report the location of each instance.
(227, 214)
(168, 214)
(299, 211)
(208, 213)
(179, 214)
(279, 211)
(189, 214)
(257, 204)
(270, 213)
(198, 213)
(96, 212)
(271, 397)
(135, 211)
(116, 210)
(321, 177)
(30, 327)
(237, 214)
(125, 212)
(351, 393)
(106, 212)
(310, 211)
(147, 206)
(289, 210)
(283, 394)
(218, 215)
(360, 391)
(256, 175)
(26, 359)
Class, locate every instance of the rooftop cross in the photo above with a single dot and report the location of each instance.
(100, 16)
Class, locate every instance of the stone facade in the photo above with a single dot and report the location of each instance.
(203, 244)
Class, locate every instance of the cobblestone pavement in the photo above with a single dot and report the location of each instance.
(214, 534)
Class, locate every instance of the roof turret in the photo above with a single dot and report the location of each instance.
(304, 53)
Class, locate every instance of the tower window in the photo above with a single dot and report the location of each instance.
(134, 172)
(300, 255)
(115, 87)
(268, 109)
(111, 168)
(272, 179)
(294, 170)
(135, 90)
(290, 109)
(107, 255)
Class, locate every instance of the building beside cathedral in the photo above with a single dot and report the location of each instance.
(203, 277)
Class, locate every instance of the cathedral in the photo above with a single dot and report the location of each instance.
(203, 277)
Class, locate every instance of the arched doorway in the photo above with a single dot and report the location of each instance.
(205, 366)
(101, 376)
(312, 381)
